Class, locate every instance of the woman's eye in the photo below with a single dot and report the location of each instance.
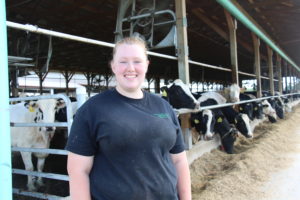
(123, 62)
(137, 62)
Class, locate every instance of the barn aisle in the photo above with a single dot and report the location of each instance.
(265, 167)
(284, 184)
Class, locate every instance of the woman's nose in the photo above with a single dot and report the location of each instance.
(130, 66)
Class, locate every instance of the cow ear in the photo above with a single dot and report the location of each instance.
(164, 91)
(60, 103)
(220, 120)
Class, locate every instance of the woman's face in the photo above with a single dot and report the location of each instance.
(129, 65)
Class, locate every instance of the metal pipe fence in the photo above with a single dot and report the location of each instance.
(41, 150)
(36, 29)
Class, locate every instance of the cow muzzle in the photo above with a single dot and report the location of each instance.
(49, 129)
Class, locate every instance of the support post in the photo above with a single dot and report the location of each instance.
(290, 77)
(285, 74)
(279, 74)
(68, 76)
(232, 26)
(270, 65)
(182, 41)
(157, 85)
(256, 44)
(5, 142)
(186, 130)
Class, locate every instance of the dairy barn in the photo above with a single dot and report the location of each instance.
(245, 51)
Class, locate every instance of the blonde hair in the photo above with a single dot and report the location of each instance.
(131, 40)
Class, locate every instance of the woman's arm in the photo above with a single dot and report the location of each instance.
(183, 172)
(79, 168)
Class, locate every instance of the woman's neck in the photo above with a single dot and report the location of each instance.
(137, 94)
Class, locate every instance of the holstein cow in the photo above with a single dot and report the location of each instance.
(211, 121)
(241, 121)
(179, 95)
(260, 108)
(61, 114)
(226, 131)
(231, 93)
(276, 104)
(41, 111)
(204, 121)
(253, 109)
(269, 111)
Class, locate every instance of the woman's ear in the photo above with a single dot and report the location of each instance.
(112, 66)
(148, 62)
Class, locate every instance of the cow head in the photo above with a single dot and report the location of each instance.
(269, 111)
(208, 123)
(44, 112)
(227, 132)
(179, 95)
(228, 141)
(242, 123)
(257, 110)
(204, 123)
(234, 93)
(277, 106)
(247, 108)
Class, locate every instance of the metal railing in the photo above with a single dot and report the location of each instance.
(43, 150)
(186, 110)
(36, 29)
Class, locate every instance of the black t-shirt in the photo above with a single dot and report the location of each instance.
(131, 141)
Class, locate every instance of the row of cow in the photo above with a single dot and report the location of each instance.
(226, 121)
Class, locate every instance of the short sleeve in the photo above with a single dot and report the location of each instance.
(179, 144)
(80, 140)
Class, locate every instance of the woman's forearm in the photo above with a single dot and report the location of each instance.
(79, 168)
(79, 186)
(183, 172)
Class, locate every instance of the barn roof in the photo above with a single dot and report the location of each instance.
(207, 35)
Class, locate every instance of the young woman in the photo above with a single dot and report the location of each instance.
(125, 143)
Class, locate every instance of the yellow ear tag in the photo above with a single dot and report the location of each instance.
(164, 93)
(255, 108)
(31, 109)
(241, 108)
(219, 120)
(196, 121)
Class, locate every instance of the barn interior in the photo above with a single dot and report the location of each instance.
(207, 34)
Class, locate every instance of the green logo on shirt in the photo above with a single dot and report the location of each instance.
(162, 115)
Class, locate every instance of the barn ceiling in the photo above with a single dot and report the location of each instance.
(207, 35)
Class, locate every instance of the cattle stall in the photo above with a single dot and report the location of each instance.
(184, 61)
(41, 150)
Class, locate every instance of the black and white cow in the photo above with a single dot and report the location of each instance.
(41, 111)
(179, 95)
(227, 132)
(204, 121)
(276, 104)
(253, 109)
(231, 93)
(61, 114)
(240, 120)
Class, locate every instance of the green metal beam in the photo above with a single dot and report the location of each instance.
(228, 5)
(5, 145)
